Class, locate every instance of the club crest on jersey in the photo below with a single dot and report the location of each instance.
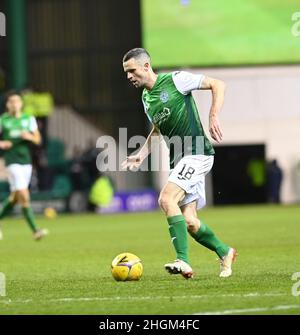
(164, 96)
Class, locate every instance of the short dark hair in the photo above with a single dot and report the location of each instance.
(135, 53)
(12, 93)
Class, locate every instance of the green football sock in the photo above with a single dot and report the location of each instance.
(29, 216)
(6, 208)
(178, 232)
(207, 238)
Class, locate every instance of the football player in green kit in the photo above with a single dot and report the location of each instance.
(169, 105)
(18, 131)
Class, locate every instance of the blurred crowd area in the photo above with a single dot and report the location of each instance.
(54, 175)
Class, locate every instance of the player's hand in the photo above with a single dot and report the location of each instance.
(5, 145)
(132, 163)
(214, 128)
(26, 135)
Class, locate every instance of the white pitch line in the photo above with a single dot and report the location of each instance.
(249, 310)
(118, 298)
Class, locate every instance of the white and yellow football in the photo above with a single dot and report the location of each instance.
(50, 213)
(126, 267)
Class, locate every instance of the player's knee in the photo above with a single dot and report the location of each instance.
(164, 201)
(193, 224)
(13, 198)
(23, 198)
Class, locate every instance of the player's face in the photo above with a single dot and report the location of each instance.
(14, 104)
(137, 74)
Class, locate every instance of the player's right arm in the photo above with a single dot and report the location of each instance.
(134, 161)
(4, 145)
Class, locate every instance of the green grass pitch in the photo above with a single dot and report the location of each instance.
(69, 271)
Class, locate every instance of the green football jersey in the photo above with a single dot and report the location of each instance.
(175, 114)
(11, 129)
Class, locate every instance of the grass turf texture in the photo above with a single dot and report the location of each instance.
(220, 32)
(69, 271)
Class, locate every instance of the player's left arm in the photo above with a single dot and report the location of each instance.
(217, 88)
(33, 135)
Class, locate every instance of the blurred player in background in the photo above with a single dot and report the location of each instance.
(170, 107)
(18, 131)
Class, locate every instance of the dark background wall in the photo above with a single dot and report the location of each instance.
(75, 50)
(239, 174)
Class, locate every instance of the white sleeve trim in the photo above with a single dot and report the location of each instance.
(32, 124)
(187, 82)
